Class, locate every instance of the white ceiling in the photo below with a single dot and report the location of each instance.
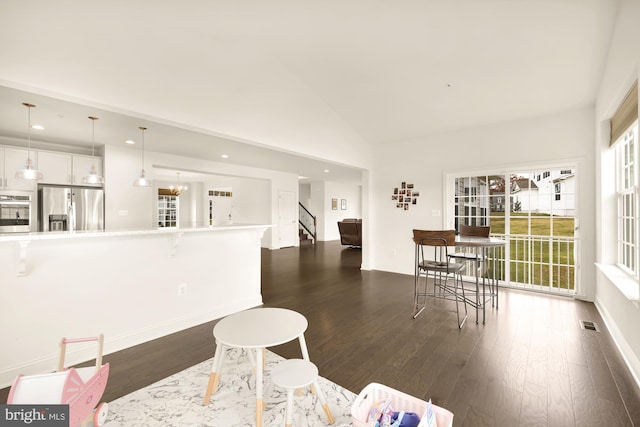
(294, 75)
(67, 124)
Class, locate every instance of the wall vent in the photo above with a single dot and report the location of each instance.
(588, 325)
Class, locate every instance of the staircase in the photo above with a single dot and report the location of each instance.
(306, 226)
(304, 237)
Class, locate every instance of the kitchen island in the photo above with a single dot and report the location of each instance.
(130, 285)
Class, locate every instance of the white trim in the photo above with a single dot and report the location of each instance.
(630, 359)
(626, 283)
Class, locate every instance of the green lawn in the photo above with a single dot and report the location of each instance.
(530, 261)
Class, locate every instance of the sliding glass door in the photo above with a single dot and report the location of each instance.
(535, 212)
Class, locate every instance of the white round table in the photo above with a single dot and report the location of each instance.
(255, 329)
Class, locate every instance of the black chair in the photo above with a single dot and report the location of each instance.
(437, 269)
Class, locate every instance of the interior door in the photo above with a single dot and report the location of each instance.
(287, 228)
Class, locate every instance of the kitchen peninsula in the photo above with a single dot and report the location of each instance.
(132, 286)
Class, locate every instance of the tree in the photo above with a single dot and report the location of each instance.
(517, 206)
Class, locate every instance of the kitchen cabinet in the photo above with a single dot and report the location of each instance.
(65, 169)
(13, 159)
(55, 167)
(81, 166)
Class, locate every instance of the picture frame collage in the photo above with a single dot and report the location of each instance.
(405, 196)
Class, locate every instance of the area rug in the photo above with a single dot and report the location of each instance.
(177, 401)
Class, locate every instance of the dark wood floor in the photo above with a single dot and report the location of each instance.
(529, 365)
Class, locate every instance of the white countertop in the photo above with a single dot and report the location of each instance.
(15, 237)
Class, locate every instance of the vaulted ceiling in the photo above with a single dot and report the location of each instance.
(299, 76)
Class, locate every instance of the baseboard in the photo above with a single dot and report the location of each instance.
(84, 352)
(629, 357)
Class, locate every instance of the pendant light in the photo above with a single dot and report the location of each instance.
(178, 188)
(93, 177)
(28, 172)
(142, 181)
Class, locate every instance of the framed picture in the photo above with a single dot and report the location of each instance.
(334, 204)
(343, 204)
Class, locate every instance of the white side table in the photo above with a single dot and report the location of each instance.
(255, 329)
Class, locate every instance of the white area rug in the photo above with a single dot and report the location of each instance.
(178, 400)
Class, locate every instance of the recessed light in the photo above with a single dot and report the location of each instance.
(225, 156)
(130, 141)
(326, 171)
(38, 127)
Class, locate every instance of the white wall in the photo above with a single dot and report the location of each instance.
(124, 286)
(249, 203)
(552, 139)
(304, 195)
(340, 191)
(619, 313)
(128, 207)
(327, 218)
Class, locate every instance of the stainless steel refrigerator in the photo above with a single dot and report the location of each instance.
(70, 208)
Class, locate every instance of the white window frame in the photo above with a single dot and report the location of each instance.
(627, 194)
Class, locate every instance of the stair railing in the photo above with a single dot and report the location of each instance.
(307, 221)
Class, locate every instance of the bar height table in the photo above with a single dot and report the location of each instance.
(255, 330)
(481, 246)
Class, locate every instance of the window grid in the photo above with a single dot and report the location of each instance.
(627, 194)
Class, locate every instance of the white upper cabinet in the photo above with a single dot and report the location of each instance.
(66, 169)
(12, 160)
(82, 167)
(55, 167)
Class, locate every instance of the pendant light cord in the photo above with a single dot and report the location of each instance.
(29, 107)
(142, 129)
(93, 134)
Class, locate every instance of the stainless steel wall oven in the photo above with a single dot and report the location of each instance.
(15, 212)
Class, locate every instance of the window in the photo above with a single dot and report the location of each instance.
(566, 172)
(558, 188)
(546, 174)
(167, 208)
(627, 197)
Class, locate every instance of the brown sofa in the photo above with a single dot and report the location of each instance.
(350, 232)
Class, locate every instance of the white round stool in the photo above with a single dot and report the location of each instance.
(295, 374)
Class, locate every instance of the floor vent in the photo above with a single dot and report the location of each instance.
(589, 325)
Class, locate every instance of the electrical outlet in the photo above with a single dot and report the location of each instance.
(182, 289)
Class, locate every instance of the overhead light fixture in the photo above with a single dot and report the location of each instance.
(37, 127)
(225, 156)
(142, 181)
(130, 141)
(29, 172)
(178, 188)
(93, 177)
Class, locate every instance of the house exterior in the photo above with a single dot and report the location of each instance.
(549, 192)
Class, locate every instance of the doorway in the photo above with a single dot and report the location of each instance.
(287, 218)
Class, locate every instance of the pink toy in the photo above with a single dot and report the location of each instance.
(80, 388)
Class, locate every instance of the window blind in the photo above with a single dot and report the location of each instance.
(625, 115)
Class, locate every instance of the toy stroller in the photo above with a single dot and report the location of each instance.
(80, 388)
